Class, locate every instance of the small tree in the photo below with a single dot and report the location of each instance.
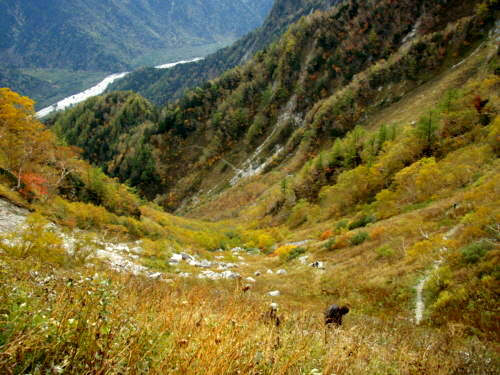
(426, 131)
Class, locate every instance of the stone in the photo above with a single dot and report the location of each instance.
(281, 272)
(231, 275)
(274, 293)
(250, 279)
(175, 258)
(155, 275)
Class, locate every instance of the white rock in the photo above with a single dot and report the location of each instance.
(224, 266)
(281, 272)
(175, 258)
(217, 276)
(185, 275)
(231, 275)
(270, 272)
(209, 275)
(236, 249)
(155, 275)
(250, 279)
(205, 263)
(274, 293)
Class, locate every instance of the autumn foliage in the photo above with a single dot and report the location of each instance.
(28, 150)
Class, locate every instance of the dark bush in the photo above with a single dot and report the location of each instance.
(361, 222)
(473, 252)
(359, 238)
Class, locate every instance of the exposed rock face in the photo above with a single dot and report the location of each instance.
(11, 216)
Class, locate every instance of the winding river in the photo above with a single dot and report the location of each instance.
(98, 89)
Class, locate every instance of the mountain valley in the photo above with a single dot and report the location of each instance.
(203, 218)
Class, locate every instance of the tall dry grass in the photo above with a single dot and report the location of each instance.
(56, 321)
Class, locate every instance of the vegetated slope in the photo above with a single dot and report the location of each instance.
(37, 172)
(68, 307)
(162, 86)
(100, 125)
(299, 95)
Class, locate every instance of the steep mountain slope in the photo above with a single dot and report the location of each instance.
(304, 92)
(163, 86)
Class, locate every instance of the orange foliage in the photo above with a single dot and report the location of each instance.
(326, 235)
(33, 185)
(377, 233)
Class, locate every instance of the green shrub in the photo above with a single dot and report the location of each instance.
(328, 245)
(295, 253)
(473, 252)
(342, 224)
(359, 238)
(361, 222)
(384, 251)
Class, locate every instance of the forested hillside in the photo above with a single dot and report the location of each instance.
(312, 87)
(163, 86)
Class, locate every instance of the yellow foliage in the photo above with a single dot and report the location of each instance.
(265, 241)
(352, 187)
(284, 250)
(35, 239)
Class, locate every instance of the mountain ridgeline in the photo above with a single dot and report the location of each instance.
(327, 74)
(162, 86)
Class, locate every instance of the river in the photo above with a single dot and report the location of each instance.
(98, 89)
